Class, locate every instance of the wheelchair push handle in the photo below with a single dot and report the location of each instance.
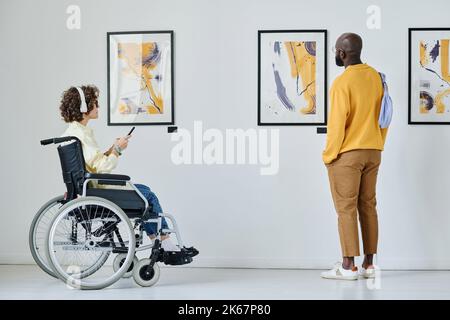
(57, 140)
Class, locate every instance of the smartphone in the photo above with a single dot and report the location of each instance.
(132, 129)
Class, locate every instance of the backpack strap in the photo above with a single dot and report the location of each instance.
(383, 81)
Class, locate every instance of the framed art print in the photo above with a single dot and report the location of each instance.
(429, 76)
(292, 77)
(140, 78)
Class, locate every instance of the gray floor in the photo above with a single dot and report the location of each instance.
(28, 282)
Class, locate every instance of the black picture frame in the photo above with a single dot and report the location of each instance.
(172, 72)
(325, 89)
(410, 121)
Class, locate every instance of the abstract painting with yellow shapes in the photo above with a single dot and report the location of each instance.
(429, 76)
(292, 77)
(140, 78)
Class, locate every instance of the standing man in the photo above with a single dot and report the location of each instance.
(353, 155)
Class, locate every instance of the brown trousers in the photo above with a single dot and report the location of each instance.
(353, 178)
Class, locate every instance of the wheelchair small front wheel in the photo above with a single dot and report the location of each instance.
(143, 276)
(118, 262)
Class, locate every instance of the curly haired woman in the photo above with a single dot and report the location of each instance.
(77, 114)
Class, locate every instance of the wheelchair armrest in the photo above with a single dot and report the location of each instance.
(112, 182)
(107, 176)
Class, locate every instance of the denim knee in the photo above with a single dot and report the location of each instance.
(143, 189)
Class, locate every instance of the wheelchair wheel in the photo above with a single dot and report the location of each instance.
(83, 232)
(142, 276)
(38, 233)
(118, 262)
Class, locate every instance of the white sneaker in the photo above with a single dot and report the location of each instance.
(339, 273)
(371, 272)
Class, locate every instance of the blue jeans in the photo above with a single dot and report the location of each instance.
(150, 227)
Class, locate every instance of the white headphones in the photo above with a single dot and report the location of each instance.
(83, 106)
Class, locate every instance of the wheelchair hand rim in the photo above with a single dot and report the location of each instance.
(62, 213)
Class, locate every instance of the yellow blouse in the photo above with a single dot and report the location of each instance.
(96, 160)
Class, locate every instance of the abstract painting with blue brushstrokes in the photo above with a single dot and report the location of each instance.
(430, 76)
(292, 77)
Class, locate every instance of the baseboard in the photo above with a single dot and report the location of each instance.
(326, 263)
(14, 258)
(270, 263)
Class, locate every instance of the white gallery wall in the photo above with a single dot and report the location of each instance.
(234, 215)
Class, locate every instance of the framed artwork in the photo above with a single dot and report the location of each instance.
(429, 76)
(140, 78)
(292, 77)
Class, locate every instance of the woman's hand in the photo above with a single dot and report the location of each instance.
(122, 143)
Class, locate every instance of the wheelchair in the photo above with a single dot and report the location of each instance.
(89, 237)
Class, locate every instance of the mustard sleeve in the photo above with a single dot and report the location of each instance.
(340, 109)
(384, 134)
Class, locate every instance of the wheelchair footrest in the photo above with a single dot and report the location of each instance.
(120, 250)
(175, 258)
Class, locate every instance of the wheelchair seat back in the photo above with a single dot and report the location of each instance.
(73, 167)
(74, 172)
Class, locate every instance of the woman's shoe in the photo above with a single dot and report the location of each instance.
(175, 258)
(191, 251)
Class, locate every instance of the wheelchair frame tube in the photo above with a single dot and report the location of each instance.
(175, 228)
(157, 220)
